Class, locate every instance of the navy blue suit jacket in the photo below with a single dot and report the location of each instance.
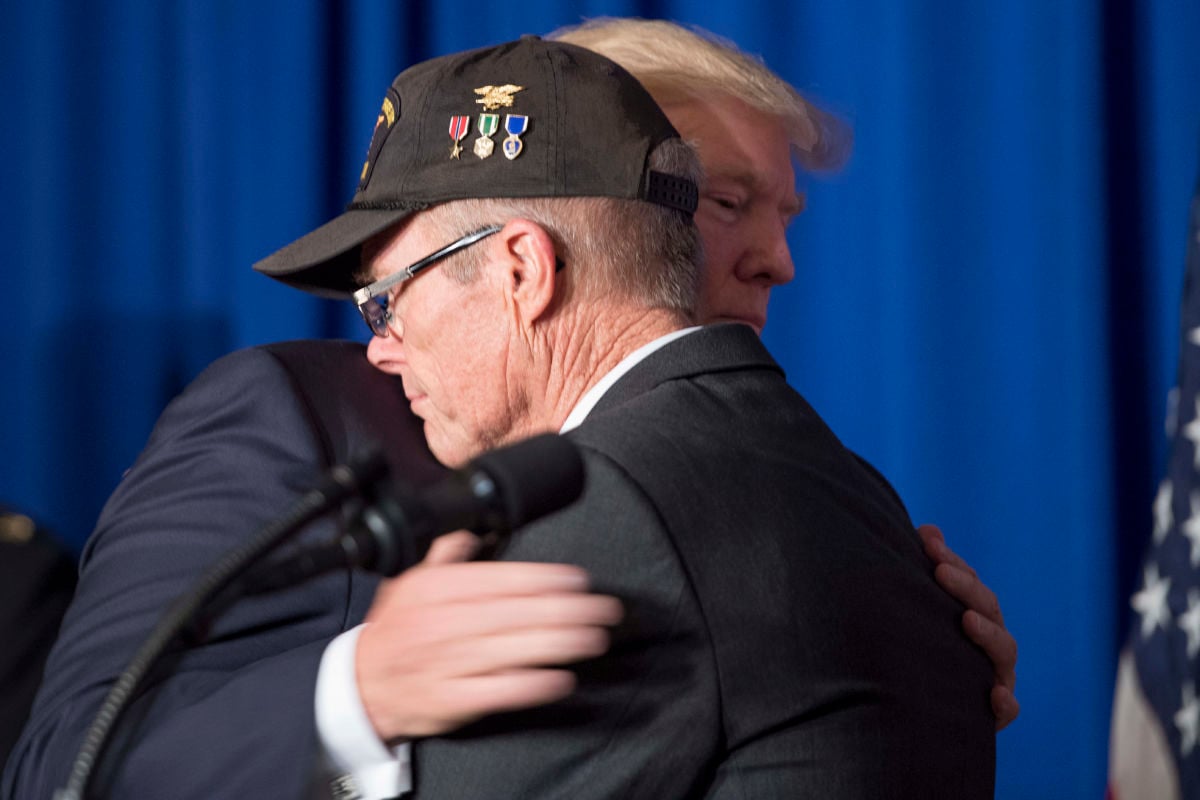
(233, 452)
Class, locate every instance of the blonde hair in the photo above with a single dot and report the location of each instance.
(678, 65)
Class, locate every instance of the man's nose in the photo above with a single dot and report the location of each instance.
(771, 257)
(386, 352)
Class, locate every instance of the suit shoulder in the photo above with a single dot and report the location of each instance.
(324, 388)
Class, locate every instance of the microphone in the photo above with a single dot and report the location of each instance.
(500, 490)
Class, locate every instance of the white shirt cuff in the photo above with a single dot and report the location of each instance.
(346, 733)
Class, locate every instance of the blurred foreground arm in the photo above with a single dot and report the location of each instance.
(448, 642)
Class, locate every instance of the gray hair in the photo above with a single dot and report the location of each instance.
(629, 249)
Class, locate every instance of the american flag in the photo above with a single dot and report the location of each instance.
(1154, 750)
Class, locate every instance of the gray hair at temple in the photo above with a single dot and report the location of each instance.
(612, 248)
(679, 65)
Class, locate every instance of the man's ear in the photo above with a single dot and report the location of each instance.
(530, 259)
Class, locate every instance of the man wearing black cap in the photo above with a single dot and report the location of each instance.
(737, 532)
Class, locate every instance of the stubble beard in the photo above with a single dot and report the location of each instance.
(512, 425)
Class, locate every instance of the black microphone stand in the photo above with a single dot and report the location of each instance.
(343, 482)
(497, 492)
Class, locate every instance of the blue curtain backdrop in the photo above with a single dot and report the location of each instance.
(986, 300)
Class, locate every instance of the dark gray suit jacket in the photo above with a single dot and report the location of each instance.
(784, 634)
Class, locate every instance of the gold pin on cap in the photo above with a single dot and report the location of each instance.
(493, 97)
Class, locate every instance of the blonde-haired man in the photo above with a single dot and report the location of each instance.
(748, 125)
(683, 67)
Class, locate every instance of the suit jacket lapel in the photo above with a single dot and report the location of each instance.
(713, 348)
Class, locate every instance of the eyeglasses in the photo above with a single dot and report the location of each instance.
(372, 300)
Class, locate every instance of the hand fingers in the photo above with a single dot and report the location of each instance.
(477, 579)
(984, 625)
(506, 614)
(411, 630)
(936, 548)
(1001, 648)
(510, 625)
(1004, 706)
(997, 643)
(929, 532)
(452, 547)
(383, 658)
(436, 583)
(983, 622)
(970, 591)
(486, 635)
(519, 649)
(513, 690)
(424, 690)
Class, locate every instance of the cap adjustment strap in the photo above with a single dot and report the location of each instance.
(672, 191)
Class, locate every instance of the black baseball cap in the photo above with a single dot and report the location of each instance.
(528, 118)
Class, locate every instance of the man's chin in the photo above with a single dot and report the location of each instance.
(441, 448)
(450, 451)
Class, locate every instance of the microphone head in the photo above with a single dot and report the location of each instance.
(528, 479)
(500, 490)
(357, 476)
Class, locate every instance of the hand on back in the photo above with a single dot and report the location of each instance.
(452, 640)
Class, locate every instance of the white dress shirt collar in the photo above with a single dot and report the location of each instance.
(592, 396)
